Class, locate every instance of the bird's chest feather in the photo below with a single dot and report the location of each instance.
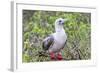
(60, 39)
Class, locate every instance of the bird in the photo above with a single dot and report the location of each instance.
(55, 42)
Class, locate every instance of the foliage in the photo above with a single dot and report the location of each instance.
(39, 24)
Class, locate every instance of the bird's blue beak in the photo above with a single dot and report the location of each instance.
(64, 21)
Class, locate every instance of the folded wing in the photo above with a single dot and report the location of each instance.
(48, 42)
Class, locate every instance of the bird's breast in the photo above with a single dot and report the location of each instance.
(60, 39)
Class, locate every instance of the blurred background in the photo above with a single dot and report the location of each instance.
(39, 24)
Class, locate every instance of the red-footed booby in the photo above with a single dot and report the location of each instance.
(54, 43)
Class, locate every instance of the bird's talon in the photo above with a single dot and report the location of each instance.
(52, 56)
(59, 57)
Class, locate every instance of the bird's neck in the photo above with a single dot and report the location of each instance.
(59, 29)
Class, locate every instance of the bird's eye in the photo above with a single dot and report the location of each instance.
(59, 20)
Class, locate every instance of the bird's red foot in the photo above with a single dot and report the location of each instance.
(52, 56)
(59, 56)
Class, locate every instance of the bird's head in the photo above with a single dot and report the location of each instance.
(60, 21)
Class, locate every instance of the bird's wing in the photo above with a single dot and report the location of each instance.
(48, 42)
